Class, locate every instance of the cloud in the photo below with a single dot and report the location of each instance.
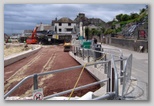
(19, 17)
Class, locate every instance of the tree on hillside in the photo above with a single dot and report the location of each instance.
(142, 10)
(109, 31)
(99, 33)
(134, 15)
(102, 30)
(118, 17)
(93, 31)
(125, 17)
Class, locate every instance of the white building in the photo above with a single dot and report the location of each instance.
(64, 26)
(27, 33)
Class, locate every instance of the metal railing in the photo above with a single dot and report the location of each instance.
(112, 80)
(35, 76)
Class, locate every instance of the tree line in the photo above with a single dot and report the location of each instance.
(121, 19)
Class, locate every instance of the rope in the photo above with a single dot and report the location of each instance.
(80, 77)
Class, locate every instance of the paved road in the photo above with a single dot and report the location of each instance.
(139, 71)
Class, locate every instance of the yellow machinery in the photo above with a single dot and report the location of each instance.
(67, 46)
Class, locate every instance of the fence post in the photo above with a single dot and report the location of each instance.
(76, 51)
(88, 56)
(83, 53)
(105, 66)
(95, 59)
(109, 76)
(121, 71)
(111, 81)
(35, 82)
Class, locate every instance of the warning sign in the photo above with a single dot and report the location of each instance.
(142, 33)
(38, 94)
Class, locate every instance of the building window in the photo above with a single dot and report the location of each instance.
(60, 30)
(69, 24)
(60, 24)
(56, 29)
(69, 29)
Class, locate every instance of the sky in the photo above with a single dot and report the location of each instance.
(20, 17)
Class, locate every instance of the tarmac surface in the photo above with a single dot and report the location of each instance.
(140, 73)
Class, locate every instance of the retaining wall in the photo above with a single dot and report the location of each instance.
(14, 58)
(130, 44)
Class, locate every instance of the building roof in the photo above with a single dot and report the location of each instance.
(28, 31)
(65, 20)
(42, 27)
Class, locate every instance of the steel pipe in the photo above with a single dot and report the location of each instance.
(76, 89)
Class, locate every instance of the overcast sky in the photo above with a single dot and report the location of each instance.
(19, 17)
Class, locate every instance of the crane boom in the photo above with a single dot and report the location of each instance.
(34, 32)
(32, 39)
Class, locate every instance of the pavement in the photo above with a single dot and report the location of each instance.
(139, 72)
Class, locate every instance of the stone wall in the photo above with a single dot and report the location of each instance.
(130, 44)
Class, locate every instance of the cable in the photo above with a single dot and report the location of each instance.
(77, 81)
(80, 76)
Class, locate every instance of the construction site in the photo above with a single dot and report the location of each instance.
(63, 64)
(85, 71)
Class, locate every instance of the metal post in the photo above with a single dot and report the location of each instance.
(108, 76)
(105, 66)
(88, 56)
(83, 53)
(35, 82)
(95, 65)
(110, 87)
(113, 80)
(77, 51)
(95, 59)
(74, 50)
(121, 71)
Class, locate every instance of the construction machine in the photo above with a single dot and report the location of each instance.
(32, 39)
(67, 46)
